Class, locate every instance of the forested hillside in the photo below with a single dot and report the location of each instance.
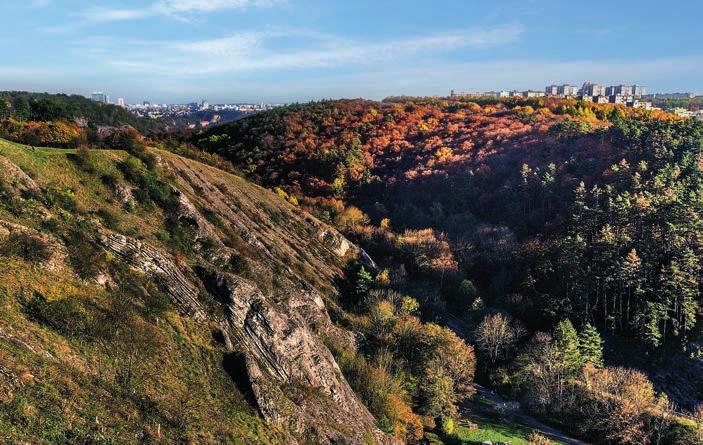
(548, 232)
(531, 178)
(43, 107)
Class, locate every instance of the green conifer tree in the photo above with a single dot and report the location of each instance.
(591, 346)
(566, 342)
(364, 282)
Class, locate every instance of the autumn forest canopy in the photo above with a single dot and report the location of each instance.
(553, 210)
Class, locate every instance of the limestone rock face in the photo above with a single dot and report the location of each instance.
(8, 383)
(123, 193)
(282, 348)
(279, 344)
(185, 210)
(283, 343)
(158, 264)
(339, 244)
(279, 341)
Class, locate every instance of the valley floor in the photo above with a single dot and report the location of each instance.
(486, 406)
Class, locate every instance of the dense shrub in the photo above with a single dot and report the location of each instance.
(427, 252)
(151, 187)
(84, 158)
(383, 391)
(32, 248)
(69, 316)
(110, 218)
(63, 198)
(570, 128)
(87, 258)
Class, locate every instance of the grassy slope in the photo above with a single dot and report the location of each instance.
(62, 388)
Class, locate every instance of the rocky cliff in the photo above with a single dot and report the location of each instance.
(255, 271)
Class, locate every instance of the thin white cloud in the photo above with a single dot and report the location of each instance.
(185, 6)
(177, 9)
(100, 15)
(258, 50)
(234, 45)
(173, 8)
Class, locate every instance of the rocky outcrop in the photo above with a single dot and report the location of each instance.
(123, 193)
(279, 343)
(280, 347)
(281, 340)
(339, 244)
(335, 241)
(8, 383)
(185, 210)
(17, 177)
(160, 266)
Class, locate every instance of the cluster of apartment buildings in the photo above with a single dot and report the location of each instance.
(156, 111)
(683, 112)
(628, 95)
(153, 110)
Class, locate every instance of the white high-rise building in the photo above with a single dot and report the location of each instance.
(99, 96)
(592, 89)
(120, 102)
(567, 90)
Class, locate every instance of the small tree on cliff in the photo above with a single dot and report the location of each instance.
(364, 283)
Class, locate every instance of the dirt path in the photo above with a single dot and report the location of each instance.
(497, 402)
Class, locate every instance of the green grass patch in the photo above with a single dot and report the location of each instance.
(491, 427)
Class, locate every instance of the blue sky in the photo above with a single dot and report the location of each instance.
(296, 50)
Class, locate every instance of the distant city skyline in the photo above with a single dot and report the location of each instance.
(559, 90)
(173, 51)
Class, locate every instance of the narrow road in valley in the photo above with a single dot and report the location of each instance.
(520, 417)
